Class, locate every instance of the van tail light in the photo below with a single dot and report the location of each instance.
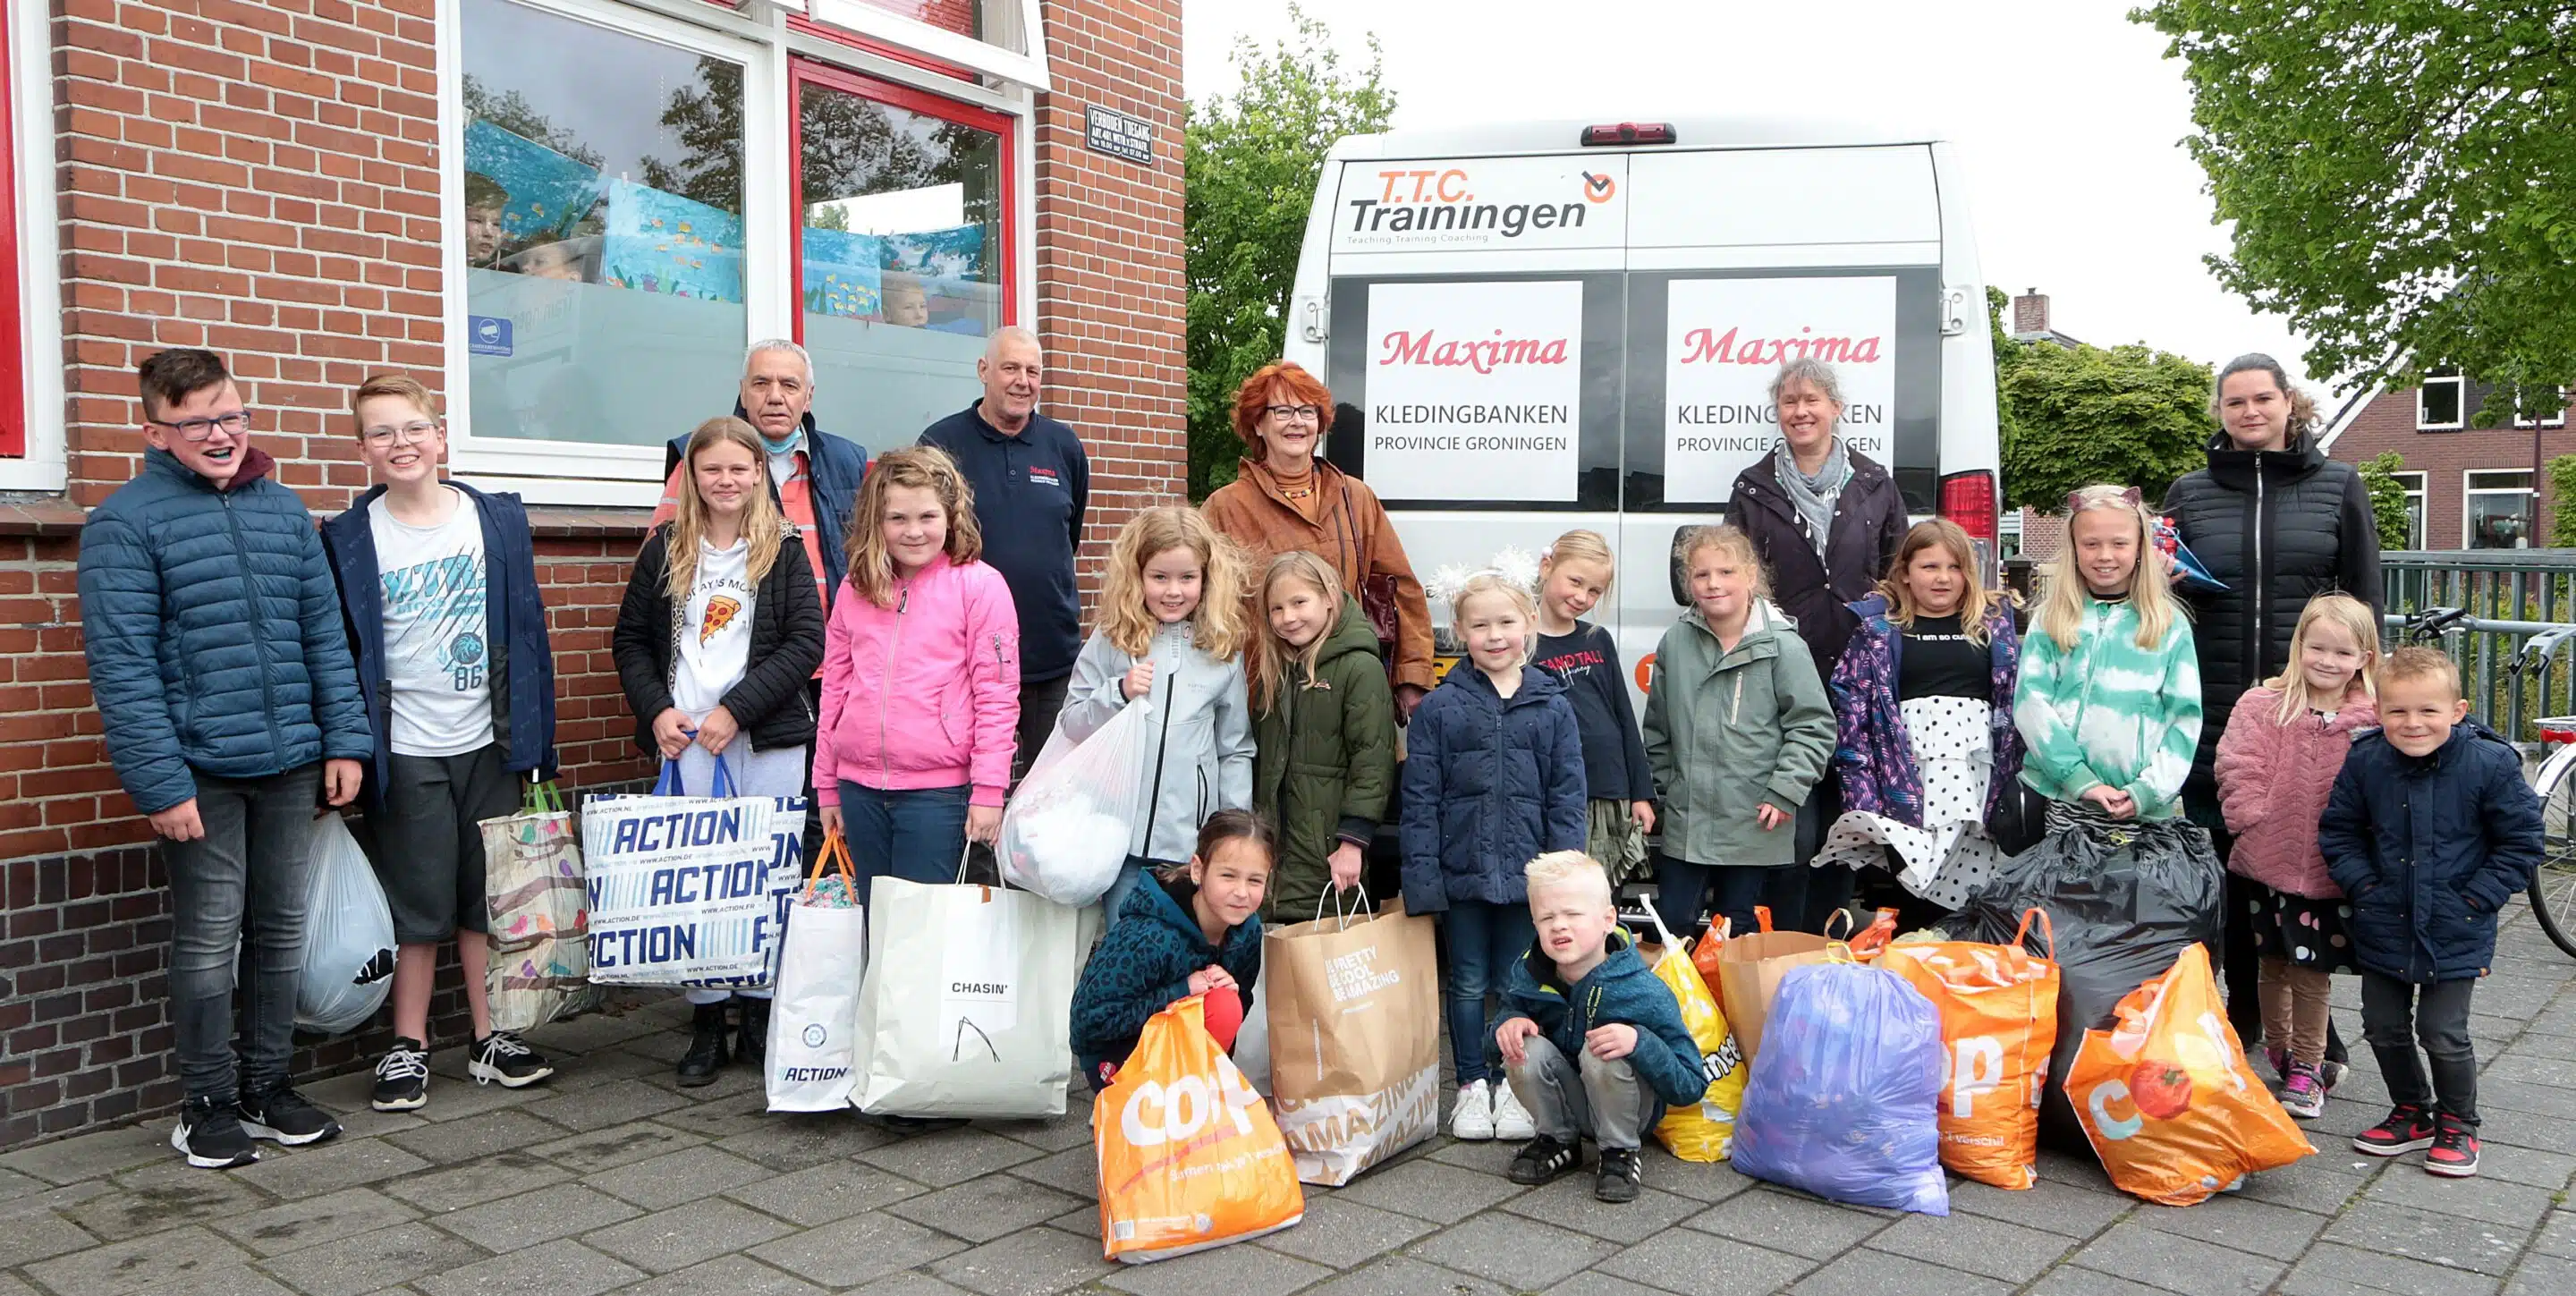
(1627, 133)
(1969, 500)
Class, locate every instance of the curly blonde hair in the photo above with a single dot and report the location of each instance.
(928, 468)
(1216, 624)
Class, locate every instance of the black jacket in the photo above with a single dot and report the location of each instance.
(2279, 527)
(1869, 523)
(770, 702)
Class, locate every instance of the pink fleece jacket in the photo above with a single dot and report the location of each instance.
(922, 694)
(2273, 781)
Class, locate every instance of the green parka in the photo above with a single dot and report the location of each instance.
(1728, 731)
(1325, 765)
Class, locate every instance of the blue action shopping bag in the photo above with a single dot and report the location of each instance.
(690, 890)
(1845, 1096)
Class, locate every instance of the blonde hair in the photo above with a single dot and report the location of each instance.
(2061, 606)
(1216, 625)
(1490, 581)
(1276, 653)
(928, 468)
(1579, 546)
(402, 385)
(2354, 616)
(1974, 606)
(2415, 662)
(1729, 541)
(762, 523)
(1569, 868)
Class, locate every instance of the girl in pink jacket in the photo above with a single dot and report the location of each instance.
(2276, 765)
(921, 678)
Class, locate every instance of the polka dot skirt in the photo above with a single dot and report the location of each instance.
(2309, 933)
(1947, 859)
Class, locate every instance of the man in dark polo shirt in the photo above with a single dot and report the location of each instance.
(1032, 484)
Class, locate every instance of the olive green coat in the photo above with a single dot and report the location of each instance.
(1727, 731)
(1325, 765)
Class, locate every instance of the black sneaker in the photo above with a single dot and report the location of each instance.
(504, 1059)
(1543, 1160)
(402, 1078)
(210, 1132)
(706, 1053)
(1622, 1175)
(282, 1114)
(2454, 1154)
(2408, 1127)
(751, 1042)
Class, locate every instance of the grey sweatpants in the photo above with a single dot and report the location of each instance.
(1569, 1100)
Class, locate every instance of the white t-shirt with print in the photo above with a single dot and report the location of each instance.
(438, 648)
(715, 630)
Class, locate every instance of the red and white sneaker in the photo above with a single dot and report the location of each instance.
(2455, 1149)
(2408, 1127)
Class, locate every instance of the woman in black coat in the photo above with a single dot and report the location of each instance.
(2277, 523)
(1826, 521)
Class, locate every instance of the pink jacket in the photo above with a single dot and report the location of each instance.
(923, 694)
(2273, 781)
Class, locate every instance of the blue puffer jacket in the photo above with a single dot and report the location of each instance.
(1621, 991)
(1145, 963)
(523, 708)
(1489, 785)
(213, 632)
(2428, 848)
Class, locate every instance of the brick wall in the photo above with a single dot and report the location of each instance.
(959, 16)
(2388, 423)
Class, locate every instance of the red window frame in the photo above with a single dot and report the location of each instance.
(13, 382)
(802, 72)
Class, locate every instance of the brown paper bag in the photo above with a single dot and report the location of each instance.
(1749, 969)
(1354, 1004)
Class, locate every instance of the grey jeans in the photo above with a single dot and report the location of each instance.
(1568, 1100)
(236, 895)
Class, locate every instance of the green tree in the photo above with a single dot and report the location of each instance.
(2561, 526)
(706, 119)
(1252, 160)
(2073, 417)
(2396, 175)
(2388, 499)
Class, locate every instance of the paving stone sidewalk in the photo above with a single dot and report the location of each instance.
(611, 1178)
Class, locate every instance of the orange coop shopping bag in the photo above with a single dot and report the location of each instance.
(2166, 1098)
(1189, 1157)
(1998, 1008)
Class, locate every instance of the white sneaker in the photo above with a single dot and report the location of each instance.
(1473, 1118)
(1512, 1122)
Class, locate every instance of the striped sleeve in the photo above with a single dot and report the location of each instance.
(2175, 736)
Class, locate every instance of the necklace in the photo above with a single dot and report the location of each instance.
(1298, 488)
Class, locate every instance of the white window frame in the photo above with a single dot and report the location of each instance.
(594, 474)
(2419, 502)
(2469, 493)
(2458, 384)
(2553, 421)
(1028, 70)
(40, 284)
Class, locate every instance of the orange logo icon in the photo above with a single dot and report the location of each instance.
(1598, 189)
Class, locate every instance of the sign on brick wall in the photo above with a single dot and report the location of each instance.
(1107, 130)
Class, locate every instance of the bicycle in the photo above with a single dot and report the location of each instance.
(2553, 883)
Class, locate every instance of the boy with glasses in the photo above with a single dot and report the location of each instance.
(219, 665)
(439, 581)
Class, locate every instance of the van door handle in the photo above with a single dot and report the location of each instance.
(1310, 320)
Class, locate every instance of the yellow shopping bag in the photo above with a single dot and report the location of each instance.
(1705, 1130)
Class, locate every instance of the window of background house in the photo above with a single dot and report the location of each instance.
(603, 229)
(2414, 483)
(901, 251)
(2437, 402)
(2551, 402)
(2497, 507)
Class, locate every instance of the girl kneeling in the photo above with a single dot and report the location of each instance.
(1197, 933)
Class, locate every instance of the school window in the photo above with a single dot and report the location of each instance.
(2497, 507)
(2437, 402)
(2414, 483)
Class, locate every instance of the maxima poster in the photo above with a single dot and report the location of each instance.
(1726, 338)
(1472, 390)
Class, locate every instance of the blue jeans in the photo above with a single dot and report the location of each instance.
(917, 835)
(236, 896)
(1679, 884)
(1483, 940)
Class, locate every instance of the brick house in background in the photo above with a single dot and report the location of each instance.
(2466, 486)
(2030, 534)
(570, 217)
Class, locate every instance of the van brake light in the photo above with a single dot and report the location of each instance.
(1626, 133)
(1969, 500)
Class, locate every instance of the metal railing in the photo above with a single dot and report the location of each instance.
(2510, 596)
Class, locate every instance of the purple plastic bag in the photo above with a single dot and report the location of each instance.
(1844, 1097)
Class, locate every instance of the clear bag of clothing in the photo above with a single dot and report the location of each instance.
(1066, 831)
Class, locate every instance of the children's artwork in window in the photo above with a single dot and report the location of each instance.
(842, 273)
(520, 191)
(953, 253)
(663, 243)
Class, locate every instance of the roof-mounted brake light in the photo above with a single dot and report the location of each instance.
(1626, 133)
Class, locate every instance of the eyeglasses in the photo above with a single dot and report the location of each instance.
(408, 433)
(1294, 413)
(199, 429)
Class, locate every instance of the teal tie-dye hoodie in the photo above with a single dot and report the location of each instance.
(2108, 712)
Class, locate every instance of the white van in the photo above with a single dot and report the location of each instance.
(1535, 327)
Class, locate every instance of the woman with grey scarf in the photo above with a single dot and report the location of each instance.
(1826, 520)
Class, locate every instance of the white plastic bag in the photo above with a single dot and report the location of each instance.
(1066, 831)
(815, 1019)
(348, 935)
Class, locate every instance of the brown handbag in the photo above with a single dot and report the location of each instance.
(1377, 592)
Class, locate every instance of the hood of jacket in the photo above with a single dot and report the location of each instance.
(1350, 634)
(1537, 686)
(1169, 908)
(1764, 629)
(2235, 468)
(256, 465)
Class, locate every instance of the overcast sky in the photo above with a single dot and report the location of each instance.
(2068, 116)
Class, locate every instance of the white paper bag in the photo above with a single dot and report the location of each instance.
(966, 1005)
(814, 1020)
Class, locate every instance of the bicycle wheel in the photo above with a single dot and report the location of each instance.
(2553, 884)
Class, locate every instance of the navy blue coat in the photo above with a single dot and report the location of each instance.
(1489, 785)
(1032, 490)
(1144, 963)
(523, 662)
(2428, 848)
(1622, 991)
(837, 465)
(213, 632)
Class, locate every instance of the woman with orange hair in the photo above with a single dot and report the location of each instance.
(1286, 498)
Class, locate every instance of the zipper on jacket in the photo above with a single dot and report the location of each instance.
(885, 691)
(2256, 667)
(258, 641)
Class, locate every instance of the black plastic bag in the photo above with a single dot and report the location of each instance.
(2124, 901)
